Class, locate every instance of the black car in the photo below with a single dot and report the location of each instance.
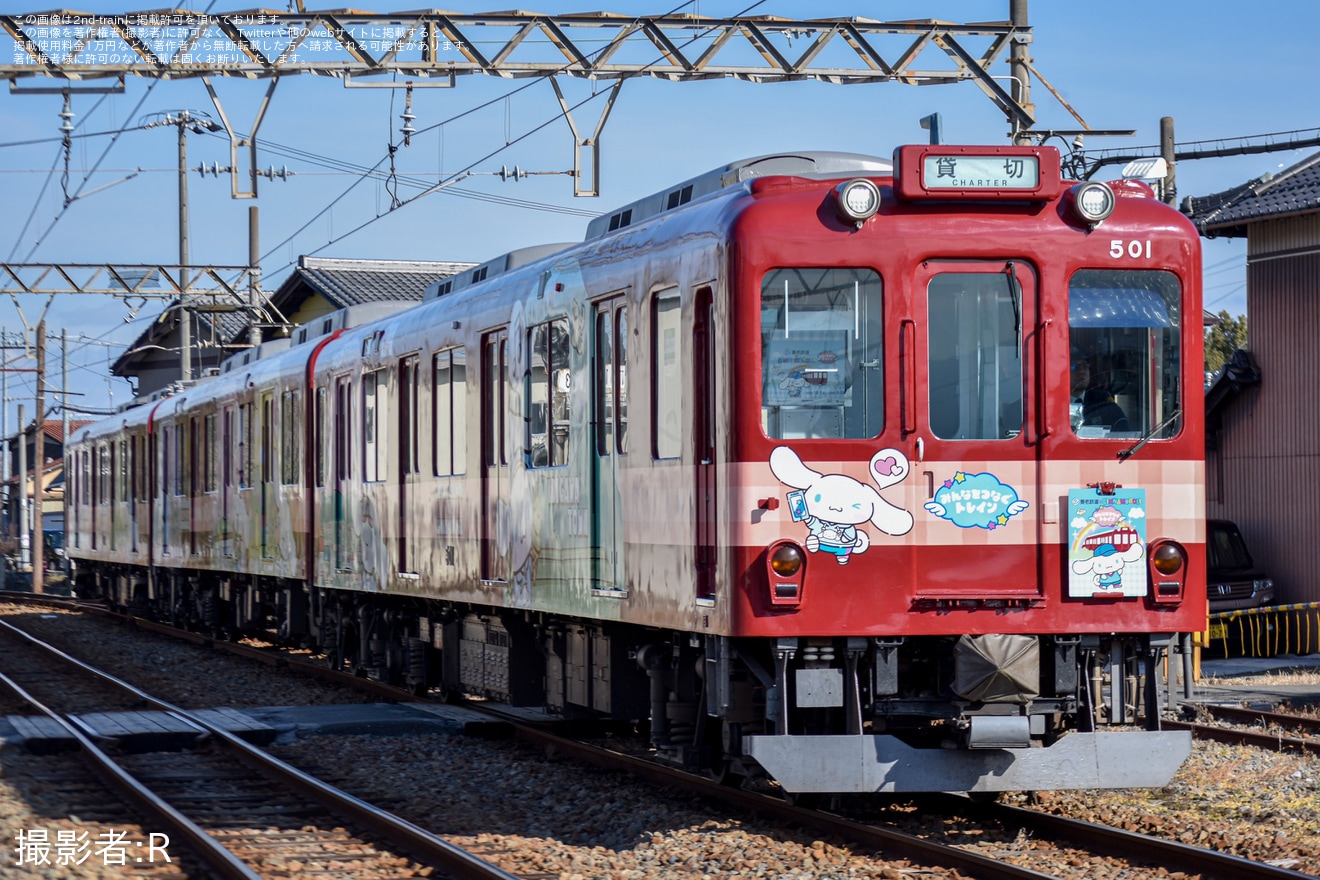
(1233, 581)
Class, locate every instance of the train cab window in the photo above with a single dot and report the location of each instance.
(821, 354)
(1123, 335)
(549, 382)
(975, 350)
(449, 413)
(374, 418)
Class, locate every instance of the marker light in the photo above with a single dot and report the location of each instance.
(786, 560)
(1167, 559)
(785, 570)
(1093, 201)
(1168, 571)
(859, 199)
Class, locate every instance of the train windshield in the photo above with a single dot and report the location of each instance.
(821, 364)
(1123, 333)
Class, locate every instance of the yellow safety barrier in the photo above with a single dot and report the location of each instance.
(1267, 631)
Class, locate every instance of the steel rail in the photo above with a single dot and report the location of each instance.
(1241, 714)
(1241, 737)
(894, 844)
(207, 849)
(1131, 844)
(427, 847)
(1116, 841)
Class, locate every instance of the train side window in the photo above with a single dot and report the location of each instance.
(666, 375)
(975, 350)
(209, 483)
(180, 448)
(449, 413)
(291, 427)
(1125, 358)
(374, 419)
(409, 428)
(549, 381)
(123, 470)
(821, 353)
(245, 446)
(319, 438)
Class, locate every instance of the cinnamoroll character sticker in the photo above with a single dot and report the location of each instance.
(833, 506)
(1106, 540)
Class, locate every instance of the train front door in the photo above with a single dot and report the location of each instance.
(609, 376)
(969, 400)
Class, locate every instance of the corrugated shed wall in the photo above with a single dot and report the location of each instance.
(1288, 234)
(1269, 449)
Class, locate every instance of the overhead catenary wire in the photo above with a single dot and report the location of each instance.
(466, 170)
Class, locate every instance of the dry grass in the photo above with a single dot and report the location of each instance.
(1306, 676)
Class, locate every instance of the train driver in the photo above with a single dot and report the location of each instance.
(1093, 405)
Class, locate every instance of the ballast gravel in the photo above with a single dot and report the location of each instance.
(534, 814)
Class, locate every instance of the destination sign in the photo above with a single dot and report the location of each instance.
(977, 173)
(981, 172)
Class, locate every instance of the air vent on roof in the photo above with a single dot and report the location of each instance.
(818, 165)
(480, 274)
(679, 197)
(445, 286)
(621, 219)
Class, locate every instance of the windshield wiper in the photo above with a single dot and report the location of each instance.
(1149, 435)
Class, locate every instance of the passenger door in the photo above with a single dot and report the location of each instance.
(609, 376)
(703, 441)
(968, 404)
(494, 458)
(409, 459)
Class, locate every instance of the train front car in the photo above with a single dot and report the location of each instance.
(965, 485)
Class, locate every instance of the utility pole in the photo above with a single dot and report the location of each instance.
(1167, 152)
(39, 468)
(64, 449)
(254, 275)
(185, 317)
(24, 553)
(4, 440)
(1019, 66)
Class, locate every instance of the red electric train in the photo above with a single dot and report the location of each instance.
(862, 475)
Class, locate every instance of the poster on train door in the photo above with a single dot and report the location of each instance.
(1106, 543)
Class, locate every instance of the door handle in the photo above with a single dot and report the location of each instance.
(1042, 409)
(907, 375)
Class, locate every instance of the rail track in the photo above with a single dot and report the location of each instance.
(1279, 731)
(241, 812)
(878, 834)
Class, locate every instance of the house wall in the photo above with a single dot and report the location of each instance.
(1265, 472)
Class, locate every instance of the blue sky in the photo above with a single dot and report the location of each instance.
(1222, 70)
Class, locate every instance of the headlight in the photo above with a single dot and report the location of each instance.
(1093, 201)
(858, 200)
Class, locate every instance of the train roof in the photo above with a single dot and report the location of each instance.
(514, 259)
(809, 163)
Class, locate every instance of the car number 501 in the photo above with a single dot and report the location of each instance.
(1134, 249)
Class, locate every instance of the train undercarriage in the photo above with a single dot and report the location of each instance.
(952, 713)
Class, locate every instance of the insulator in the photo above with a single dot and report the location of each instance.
(67, 114)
